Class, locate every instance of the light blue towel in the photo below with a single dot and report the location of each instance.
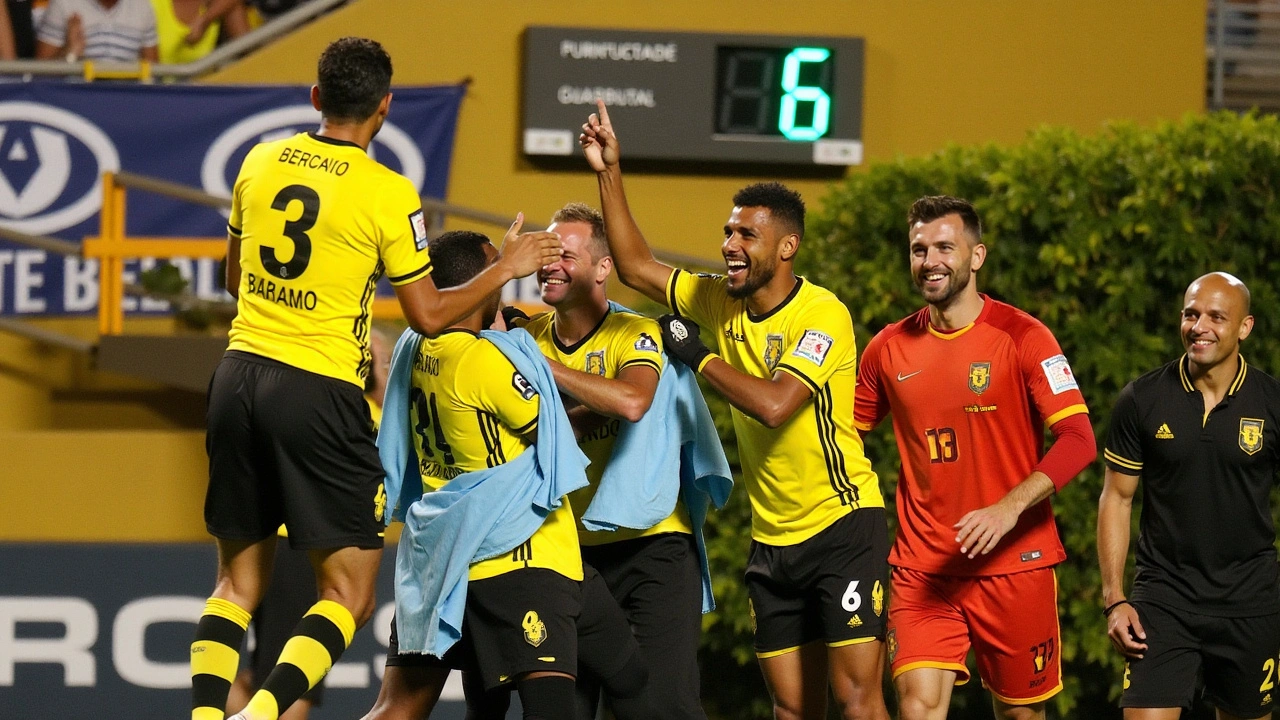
(403, 484)
(481, 514)
(673, 451)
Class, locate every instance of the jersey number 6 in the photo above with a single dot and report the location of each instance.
(295, 230)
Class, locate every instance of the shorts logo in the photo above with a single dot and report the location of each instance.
(1266, 699)
(979, 377)
(522, 386)
(392, 147)
(535, 631)
(772, 352)
(51, 165)
(380, 502)
(751, 608)
(891, 641)
(814, 346)
(855, 622)
(646, 343)
(595, 363)
(877, 598)
(1250, 435)
(1030, 556)
(1042, 654)
(1126, 676)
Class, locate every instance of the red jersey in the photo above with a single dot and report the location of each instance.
(969, 410)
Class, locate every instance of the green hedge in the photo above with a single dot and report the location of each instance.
(1097, 236)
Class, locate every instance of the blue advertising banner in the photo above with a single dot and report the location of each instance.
(56, 140)
(90, 631)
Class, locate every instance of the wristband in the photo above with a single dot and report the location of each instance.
(1113, 606)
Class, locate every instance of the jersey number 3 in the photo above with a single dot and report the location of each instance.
(295, 230)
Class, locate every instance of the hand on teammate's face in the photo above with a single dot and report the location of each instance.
(525, 253)
(1126, 633)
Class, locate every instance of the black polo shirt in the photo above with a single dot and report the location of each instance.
(1207, 542)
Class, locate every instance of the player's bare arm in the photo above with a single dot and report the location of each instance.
(1115, 515)
(980, 530)
(430, 310)
(637, 267)
(626, 397)
(231, 273)
(770, 401)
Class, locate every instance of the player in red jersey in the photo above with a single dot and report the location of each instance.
(971, 383)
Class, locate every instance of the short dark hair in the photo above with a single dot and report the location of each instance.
(353, 75)
(932, 207)
(783, 203)
(456, 257)
(583, 213)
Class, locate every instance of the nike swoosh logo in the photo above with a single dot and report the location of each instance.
(902, 377)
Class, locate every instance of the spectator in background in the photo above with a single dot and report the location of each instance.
(240, 16)
(122, 30)
(177, 22)
(18, 19)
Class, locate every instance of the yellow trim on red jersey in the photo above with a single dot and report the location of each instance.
(1065, 412)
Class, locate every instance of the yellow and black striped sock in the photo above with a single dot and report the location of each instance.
(215, 657)
(317, 643)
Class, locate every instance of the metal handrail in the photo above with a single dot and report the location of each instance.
(48, 337)
(223, 55)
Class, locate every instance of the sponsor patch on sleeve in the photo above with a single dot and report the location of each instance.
(646, 343)
(522, 386)
(419, 224)
(813, 347)
(1058, 372)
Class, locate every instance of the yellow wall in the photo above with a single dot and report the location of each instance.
(962, 71)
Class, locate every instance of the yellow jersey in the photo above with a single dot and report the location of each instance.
(621, 340)
(811, 471)
(470, 410)
(319, 222)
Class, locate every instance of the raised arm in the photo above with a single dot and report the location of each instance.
(430, 310)
(637, 268)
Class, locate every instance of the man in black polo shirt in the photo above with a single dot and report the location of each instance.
(1201, 432)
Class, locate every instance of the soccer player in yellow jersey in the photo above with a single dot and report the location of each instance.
(818, 565)
(314, 223)
(610, 363)
(470, 410)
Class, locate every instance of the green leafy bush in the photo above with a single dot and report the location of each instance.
(1098, 236)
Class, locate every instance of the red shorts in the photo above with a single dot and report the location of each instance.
(1011, 621)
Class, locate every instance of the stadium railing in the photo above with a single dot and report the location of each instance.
(90, 70)
(1243, 54)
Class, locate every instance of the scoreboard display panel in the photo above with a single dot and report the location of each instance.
(697, 97)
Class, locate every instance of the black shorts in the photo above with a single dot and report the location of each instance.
(831, 587)
(499, 636)
(658, 582)
(290, 446)
(290, 594)
(1236, 657)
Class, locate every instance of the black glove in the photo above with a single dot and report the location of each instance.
(514, 317)
(680, 337)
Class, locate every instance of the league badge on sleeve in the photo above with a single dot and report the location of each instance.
(813, 347)
(646, 343)
(1058, 372)
(772, 352)
(419, 223)
(522, 386)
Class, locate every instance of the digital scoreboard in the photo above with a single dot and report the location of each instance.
(697, 97)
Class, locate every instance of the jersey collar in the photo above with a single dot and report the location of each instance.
(953, 334)
(571, 349)
(1184, 374)
(795, 290)
(333, 141)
